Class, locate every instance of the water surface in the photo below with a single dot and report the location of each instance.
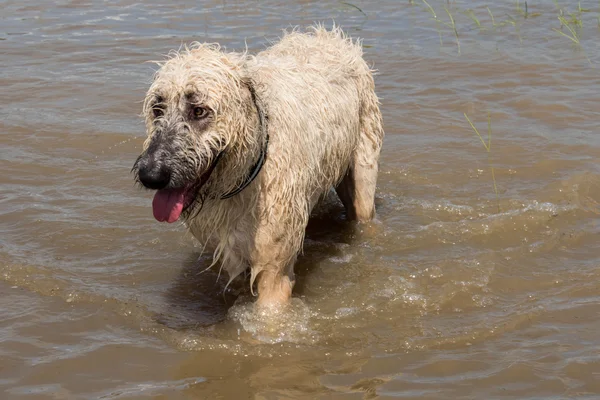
(460, 290)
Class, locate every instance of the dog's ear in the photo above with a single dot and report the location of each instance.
(252, 86)
(249, 84)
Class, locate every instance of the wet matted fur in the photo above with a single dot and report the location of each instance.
(241, 147)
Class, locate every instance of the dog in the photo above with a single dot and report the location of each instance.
(241, 147)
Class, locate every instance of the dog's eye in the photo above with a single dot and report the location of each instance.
(200, 112)
(157, 111)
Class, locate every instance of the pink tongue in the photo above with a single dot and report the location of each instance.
(168, 204)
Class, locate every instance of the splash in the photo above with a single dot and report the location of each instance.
(289, 324)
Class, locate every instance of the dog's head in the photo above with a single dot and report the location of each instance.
(202, 122)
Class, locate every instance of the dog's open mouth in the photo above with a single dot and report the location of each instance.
(168, 204)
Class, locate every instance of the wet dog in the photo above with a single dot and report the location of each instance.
(242, 147)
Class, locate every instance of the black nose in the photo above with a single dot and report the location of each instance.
(154, 175)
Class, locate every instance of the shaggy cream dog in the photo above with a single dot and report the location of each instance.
(242, 147)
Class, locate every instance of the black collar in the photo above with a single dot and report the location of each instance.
(263, 127)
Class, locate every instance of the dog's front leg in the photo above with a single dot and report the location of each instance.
(273, 265)
(274, 287)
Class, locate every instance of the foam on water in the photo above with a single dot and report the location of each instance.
(440, 206)
(149, 389)
(520, 216)
(289, 324)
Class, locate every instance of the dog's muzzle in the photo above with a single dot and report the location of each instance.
(152, 173)
(152, 166)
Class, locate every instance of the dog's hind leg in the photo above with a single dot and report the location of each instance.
(357, 192)
(357, 188)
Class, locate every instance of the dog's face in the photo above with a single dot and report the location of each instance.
(191, 111)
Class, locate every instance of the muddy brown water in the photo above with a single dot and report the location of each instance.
(456, 291)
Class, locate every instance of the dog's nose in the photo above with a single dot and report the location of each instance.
(154, 176)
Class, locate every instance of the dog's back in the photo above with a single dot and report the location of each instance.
(327, 52)
(316, 86)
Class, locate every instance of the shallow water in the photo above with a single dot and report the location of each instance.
(455, 292)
